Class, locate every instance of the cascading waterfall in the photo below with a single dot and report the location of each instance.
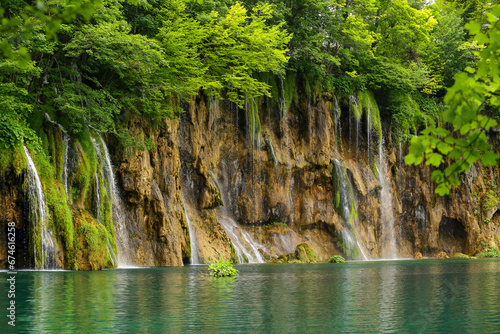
(273, 154)
(45, 258)
(353, 112)
(111, 251)
(192, 237)
(283, 114)
(388, 247)
(368, 130)
(65, 163)
(66, 139)
(247, 249)
(121, 235)
(337, 126)
(98, 197)
(346, 205)
(253, 125)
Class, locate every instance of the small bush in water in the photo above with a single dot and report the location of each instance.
(336, 259)
(222, 269)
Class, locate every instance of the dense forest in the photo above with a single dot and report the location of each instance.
(89, 63)
(429, 70)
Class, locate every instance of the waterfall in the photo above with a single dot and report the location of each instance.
(353, 115)
(283, 114)
(192, 238)
(98, 198)
(66, 139)
(65, 163)
(38, 218)
(111, 251)
(388, 246)
(121, 235)
(247, 249)
(282, 98)
(346, 205)
(368, 130)
(337, 125)
(271, 149)
(254, 134)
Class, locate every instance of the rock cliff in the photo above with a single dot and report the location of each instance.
(249, 183)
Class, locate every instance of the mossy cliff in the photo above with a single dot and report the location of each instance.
(303, 167)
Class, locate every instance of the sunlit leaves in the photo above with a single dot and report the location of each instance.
(474, 90)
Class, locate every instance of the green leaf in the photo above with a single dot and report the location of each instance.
(489, 158)
(437, 176)
(434, 159)
(444, 148)
(411, 159)
(474, 27)
(442, 189)
(441, 132)
(470, 70)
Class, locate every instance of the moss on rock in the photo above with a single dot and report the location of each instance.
(336, 259)
(305, 253)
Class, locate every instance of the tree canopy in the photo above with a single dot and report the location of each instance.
(88, 62)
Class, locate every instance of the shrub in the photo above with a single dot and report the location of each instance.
(222, 269)
(336, 259)
(460, 256)
(492, 252)
(295, 261)
(305, 254)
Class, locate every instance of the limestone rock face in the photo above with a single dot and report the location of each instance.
(466, 221)
(150, 179)
(312, 174)
(278, 185)
(12, 204)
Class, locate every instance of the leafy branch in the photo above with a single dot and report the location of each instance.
(474, 92)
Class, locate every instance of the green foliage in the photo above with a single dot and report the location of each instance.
(149, 143)
(474, 93)
(490, 199)
(491, 252)
(21, 20)
(253, 119)
(295, 261)
(222, 269)
(336, 259)
(305, 253)
(461, 256)
(94, 244)
(276, 224)
(91, 72)
(12, 158)
(15, 105)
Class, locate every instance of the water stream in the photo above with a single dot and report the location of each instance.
(119, 223)
(347, 206)
(66, 139)
(247, 249)
(388, 247)
(195, 259)
(45, 255)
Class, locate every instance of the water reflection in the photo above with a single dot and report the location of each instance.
(451, 296)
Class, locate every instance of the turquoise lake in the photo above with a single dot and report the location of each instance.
(356, 297)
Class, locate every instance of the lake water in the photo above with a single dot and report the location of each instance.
(357, 297)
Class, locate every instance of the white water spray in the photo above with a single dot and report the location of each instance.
(38, 218)
(388, 247)
(66, 139)
(121, 235)
(192, 237)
